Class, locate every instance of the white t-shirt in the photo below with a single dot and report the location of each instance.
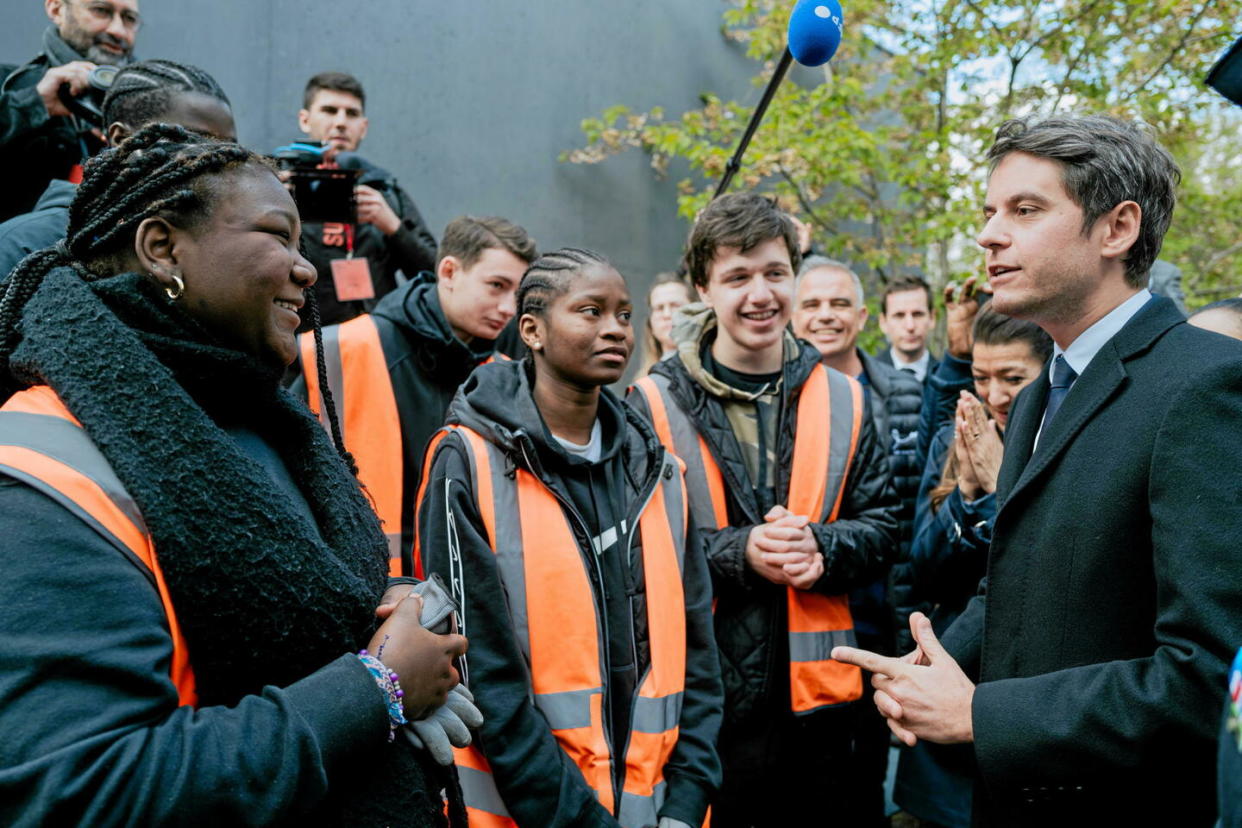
(592, 450)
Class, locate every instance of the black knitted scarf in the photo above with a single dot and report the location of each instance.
(262, 596)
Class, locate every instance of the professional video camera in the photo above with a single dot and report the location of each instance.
(323, 186)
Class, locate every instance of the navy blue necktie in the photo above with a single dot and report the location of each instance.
(1063, 377)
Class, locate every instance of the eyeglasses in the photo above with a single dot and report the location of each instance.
(105, 12)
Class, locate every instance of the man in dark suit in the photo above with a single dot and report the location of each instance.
(1087, 672)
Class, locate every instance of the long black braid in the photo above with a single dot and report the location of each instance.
(142, 92)
(549, 276)
(162, 170)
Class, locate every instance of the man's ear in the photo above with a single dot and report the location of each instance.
(365, 123)
(117, 132)
(55, 11)
(1121, 229)
(155, 250)
(446, 270)
(304, 121)
(862, 316)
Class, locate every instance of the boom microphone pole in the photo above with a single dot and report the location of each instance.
(814, 35)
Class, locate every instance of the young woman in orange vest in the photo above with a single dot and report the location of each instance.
(190, 569)
(560, 522)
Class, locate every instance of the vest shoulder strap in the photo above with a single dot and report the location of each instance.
(366, 408)
(43, 445)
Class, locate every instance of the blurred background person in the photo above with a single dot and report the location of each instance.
(388, 235)
(395, 370)
(1223, 317)
(36, 125)
(145, 92)
(669, 293)
(906, 318)
(214, 566)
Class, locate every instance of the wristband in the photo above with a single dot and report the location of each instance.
(390, 685)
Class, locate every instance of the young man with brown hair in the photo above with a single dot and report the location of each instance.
(789, 486)
(393, 372)
(389, 234)
(906, 318)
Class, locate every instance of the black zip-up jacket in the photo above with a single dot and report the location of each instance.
(411, 249)
(751, 615)
(36, 146)
(427, 363)
(539, 782)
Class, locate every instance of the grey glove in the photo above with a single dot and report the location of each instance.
(446, 727)
(669, 822)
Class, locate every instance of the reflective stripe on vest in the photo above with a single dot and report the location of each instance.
(366, 409)
(555, 619)
(44, 446)
(830, 410)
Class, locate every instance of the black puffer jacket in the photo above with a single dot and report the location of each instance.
(751, 614)
(896, 400)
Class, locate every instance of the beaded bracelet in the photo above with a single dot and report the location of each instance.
(390, 686)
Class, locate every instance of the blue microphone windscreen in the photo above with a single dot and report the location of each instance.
(815, 31)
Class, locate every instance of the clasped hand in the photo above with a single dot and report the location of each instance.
(978, 447)
(784, 550)
(924, 694)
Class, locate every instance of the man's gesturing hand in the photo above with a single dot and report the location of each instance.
(922, 697)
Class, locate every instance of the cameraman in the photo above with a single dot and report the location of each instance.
(389, 234)
(35, 124)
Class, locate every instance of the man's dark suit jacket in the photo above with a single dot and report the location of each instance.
(1113, 600)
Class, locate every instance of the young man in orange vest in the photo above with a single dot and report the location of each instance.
(393, 372)
(789, 486)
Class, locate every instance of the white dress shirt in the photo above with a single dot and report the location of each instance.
(1088, 343)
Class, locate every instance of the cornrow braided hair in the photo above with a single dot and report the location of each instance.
(162, 170)
(142, 92)
(548, 277)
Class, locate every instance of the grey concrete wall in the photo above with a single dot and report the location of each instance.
(470, 102)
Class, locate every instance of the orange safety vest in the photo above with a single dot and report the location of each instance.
(43, 445)
(555, 619)
(366, 409)
(830, 414)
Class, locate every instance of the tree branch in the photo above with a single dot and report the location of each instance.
(819, 221)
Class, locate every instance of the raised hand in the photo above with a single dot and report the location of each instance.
(961, 304)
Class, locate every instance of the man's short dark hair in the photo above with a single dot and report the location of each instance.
(143, 92)
(1104, 161)
(333, 82)
(466, 238)
(902, 284)
(741, 220)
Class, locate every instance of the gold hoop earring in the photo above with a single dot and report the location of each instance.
(175, 293)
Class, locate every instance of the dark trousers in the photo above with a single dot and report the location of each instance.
(868, 766)
(784, 770)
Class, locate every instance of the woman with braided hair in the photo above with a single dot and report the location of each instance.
(190, 569)
(597, 674)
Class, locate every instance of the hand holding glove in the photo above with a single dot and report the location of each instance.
(447, 726)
